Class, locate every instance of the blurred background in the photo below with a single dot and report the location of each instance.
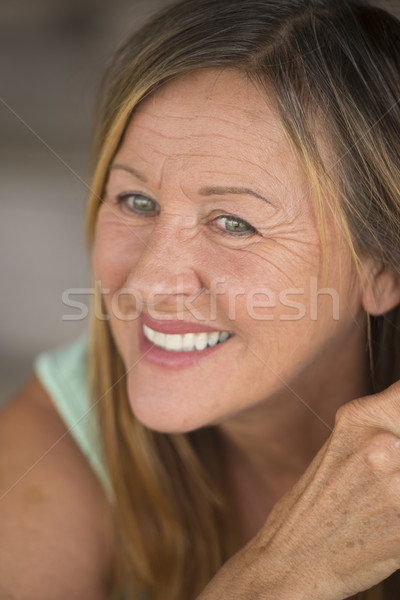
(52, 54)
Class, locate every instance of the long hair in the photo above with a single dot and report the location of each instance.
(330, 63)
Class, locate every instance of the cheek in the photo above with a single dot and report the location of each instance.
(262, 280)
(114, 255)
(281, 294)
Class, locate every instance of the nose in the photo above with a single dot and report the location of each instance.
(165, 274)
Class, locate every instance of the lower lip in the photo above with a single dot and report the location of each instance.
(170, 358)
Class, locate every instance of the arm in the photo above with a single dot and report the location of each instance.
(56, 526)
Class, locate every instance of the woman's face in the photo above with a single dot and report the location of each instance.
(208, 225)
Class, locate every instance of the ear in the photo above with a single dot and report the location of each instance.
(381, 288)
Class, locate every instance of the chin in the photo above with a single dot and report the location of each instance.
(164, 417)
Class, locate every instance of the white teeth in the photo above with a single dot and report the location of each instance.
(173, 342)
(201, 341)
(158, 338)
(149, 333)
(223, 336)
(213, 338)
(186, 342)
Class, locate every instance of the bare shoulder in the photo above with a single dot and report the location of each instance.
(56, 525)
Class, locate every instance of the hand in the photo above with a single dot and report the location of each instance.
(337, 531)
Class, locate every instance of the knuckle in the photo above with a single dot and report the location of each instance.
(379, 451)
(348, 414)
(342, 416)
(377, 458)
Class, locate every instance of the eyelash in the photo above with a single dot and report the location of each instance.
(122, 198)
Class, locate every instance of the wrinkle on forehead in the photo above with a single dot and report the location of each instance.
(212, 136)
(213, 123)
(226, 89)
(211, 106)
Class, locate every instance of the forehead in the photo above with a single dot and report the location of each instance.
(210, 121)
(223, 105)
(208, 92)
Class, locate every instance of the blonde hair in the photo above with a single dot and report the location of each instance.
(327, 62)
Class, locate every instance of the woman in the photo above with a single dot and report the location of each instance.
(244, 229)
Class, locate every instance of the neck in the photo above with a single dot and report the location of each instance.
(271, 445)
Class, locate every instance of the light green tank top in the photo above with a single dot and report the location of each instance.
(63, 373)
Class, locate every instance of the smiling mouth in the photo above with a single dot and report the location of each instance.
(187, 342)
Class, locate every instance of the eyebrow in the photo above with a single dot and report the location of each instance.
(206, 191)
(130, 170)
(221, 191)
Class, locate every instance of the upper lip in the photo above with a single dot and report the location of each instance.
(171, 326)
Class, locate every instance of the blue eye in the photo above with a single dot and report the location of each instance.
(235, 226)
(138, 204)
